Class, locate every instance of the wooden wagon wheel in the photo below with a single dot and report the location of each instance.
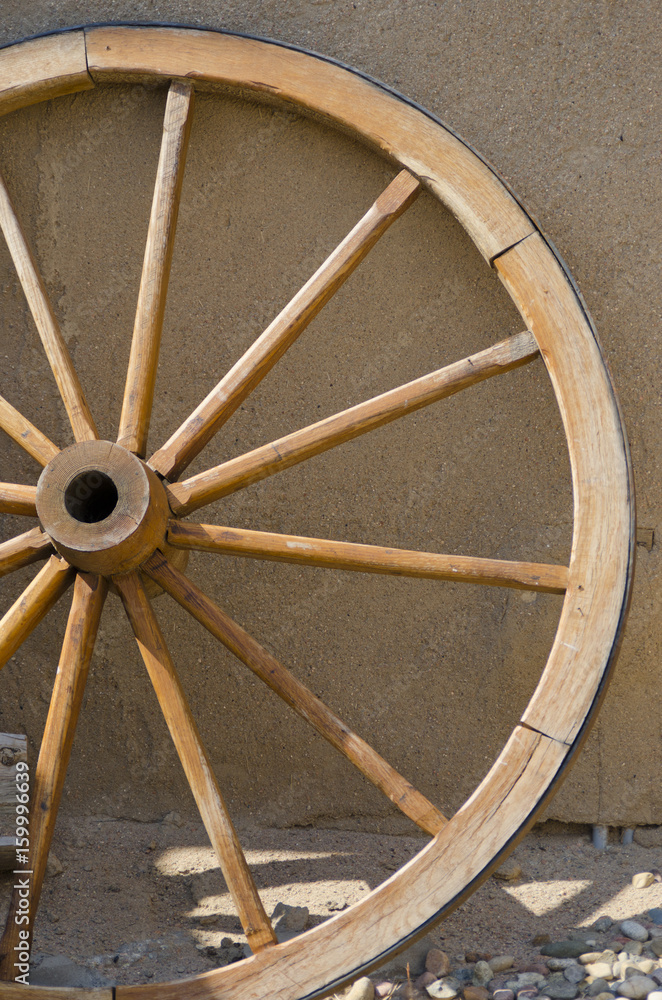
(107, 512)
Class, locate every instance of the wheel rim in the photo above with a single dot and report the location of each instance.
(597, 585)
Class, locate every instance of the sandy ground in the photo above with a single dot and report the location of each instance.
(141, 902)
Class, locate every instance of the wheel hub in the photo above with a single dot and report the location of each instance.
(105, 510)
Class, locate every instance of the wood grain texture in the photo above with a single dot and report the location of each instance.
(34, 603)
(43, 68)
(543, 577)
(196, 764)
(13, 748)
(248, 372)
(303, 444)
(26, 434)
(15, 991)
(24, 549)
(452, 171)
(50, 772)
(17, 499)
(295, 694)
(602, 550)
(144, 357)
(47, 325)
(438, 878)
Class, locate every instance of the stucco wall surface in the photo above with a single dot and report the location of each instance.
(564, 100)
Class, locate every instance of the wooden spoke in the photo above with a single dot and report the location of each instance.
(367, 558)
(143, 361)
(58, 355)
(260, 358)
(27, 548)
(15, 499)
(296, 694)
(195, 762)
(26, 434)
(67, 697)
(34, 603)
(303, 444)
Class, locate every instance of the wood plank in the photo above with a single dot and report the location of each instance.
(43, 68)
(196, 763)
(441, 876)
(144, 357)
(543, 577)
(50, 772)
(13, 748)
(468, 186)
(47, 325)
(303, 444)
(16, 991)
(248, 372)
(17, 499)
(34, 603)
(24, 549)
(603, 549)
(26, 434)
(295, 694)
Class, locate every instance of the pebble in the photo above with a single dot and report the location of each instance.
(540, 939)
(656, 946)
(482, 974)
(633, 948)
(600, 970)
(574, 973)
(597, 987)
(443, 989)
(567, 949)
(657, 976)
(642, 880)
(603, 924)
(655, 995)
(500, 963)
(475, 993)
(656, 915)
(636, 988)
(634, 930)
(503, 994)
(292, 918)
(605, 996)
(598, 956)
(384, 989)
(509, 872)
(438, 962)
(559, 964)
(525, 979)
(425, 980)
(561, 989)
(362, 989)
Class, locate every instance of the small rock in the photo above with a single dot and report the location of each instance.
(362, 989)
(603, 924)
(500, 963)
(589, 956)
(657, 976)
(636, 988)
(173, 819)
(385, 989)
(53, 866)
(564, 949)
(656, 915)
(425, 980)
(503, 994)
(464, 975)
(535, 967)
(646, 965)
(509, 872)
(540, 939)
(656, 946)
(574, 973)
(528, 993)
(597, 987)
(292, 918)
(655, 995)
(414, 956)
(559, 964)
(208, 919)
(642, 880)
(600, 970)
(437, 962)
(632, 948)
(443, 989)
(525, 979)
(634, 930)
(475, 993)
(561, 989)
(482, 974)
(605, 996)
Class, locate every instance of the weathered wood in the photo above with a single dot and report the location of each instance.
(196, 763)
(260, 358)
(16, 991)
(26, 434)
(16, 499)
(13, 747)
(24, 549)
(143, 361)
(543, 577)
(406, 135)
(303, 444)
(53, 342)
(603, 550)
(295, 694)
(34, 603)
(43, 68)
(50, 772)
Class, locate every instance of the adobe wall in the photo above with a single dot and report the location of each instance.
(565, 102)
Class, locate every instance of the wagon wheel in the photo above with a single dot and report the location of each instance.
(105, 513)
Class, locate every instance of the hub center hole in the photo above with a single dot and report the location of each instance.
(91, 496)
